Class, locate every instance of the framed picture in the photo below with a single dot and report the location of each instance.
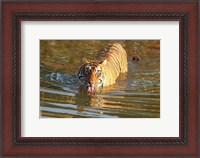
(100, 79)
(82, 99)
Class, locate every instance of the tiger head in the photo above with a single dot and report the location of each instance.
(91, 75)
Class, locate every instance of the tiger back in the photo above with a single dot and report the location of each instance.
(116, 58)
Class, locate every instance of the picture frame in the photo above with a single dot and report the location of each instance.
(187, 144)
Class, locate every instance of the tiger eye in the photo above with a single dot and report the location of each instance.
(99, 72)
(86, 70)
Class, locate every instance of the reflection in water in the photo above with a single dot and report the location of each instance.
(136, 94)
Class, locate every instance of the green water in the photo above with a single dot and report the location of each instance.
(136, 94)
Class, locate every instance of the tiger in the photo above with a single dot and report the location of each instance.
(111, 60)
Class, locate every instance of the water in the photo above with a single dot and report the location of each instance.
(136, 93)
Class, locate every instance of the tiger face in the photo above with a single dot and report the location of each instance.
(91, 75)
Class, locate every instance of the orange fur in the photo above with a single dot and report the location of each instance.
(116, 62)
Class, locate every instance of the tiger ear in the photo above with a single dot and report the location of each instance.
(84, 60)
(104, 62)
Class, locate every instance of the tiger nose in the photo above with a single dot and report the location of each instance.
(91, 82)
